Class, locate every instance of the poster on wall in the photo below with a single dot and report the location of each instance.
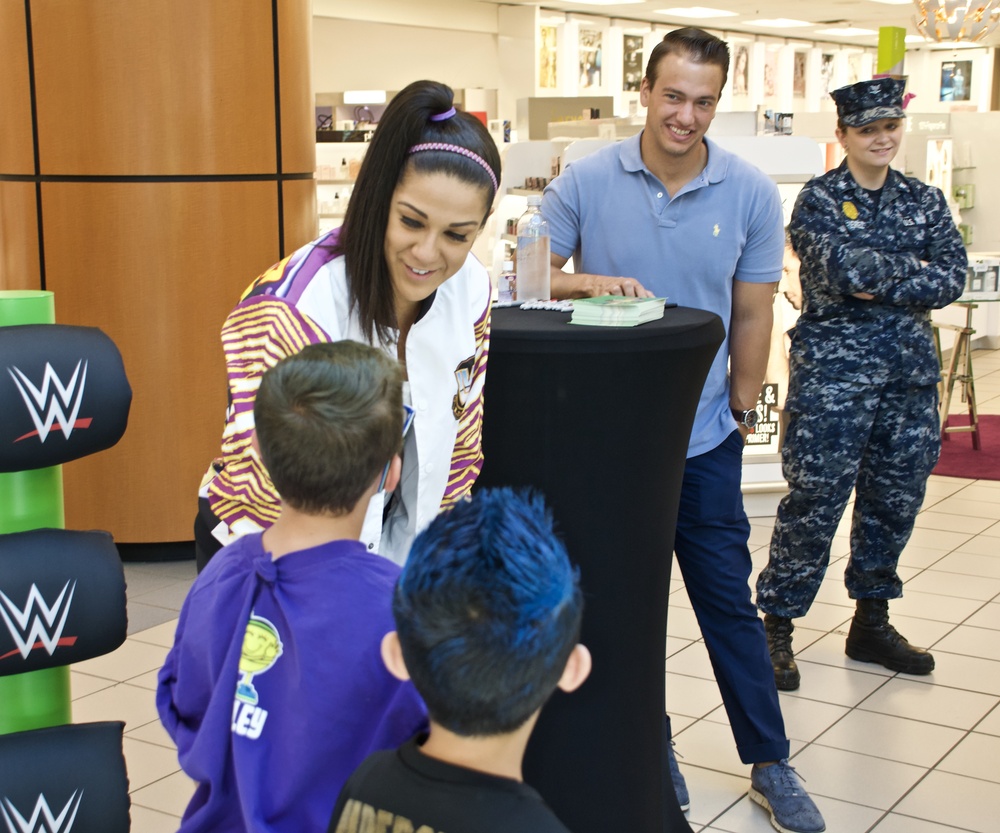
(826, 72)
(854, 68)
(590, 58)
(547, 36)
(955, 77)
(799, 74)
(741, 70)
(632, 69)
(770, 73)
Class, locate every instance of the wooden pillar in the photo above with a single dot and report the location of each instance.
(155, 156)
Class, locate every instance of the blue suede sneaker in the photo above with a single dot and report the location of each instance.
(777, 788)
(680, 785)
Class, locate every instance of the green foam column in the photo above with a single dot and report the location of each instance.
(31, 500)
(891, 51)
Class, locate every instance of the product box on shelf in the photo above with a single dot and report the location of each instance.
(982, 280)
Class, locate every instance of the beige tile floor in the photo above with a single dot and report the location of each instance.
(880, 751)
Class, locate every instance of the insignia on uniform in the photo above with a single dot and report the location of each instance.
(715, 231)
(850, 210)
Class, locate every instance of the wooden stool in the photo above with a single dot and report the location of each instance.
(959, 370)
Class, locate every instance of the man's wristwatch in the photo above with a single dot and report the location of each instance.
(746, 419)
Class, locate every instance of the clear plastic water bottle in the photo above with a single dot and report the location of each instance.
(533, 282)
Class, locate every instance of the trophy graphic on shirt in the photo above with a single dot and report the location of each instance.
(261, 649)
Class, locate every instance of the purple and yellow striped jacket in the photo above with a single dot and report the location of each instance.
(304, 299)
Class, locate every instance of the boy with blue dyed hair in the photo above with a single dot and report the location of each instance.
(488, 612)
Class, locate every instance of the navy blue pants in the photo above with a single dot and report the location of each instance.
(882, 442)
(712, 553)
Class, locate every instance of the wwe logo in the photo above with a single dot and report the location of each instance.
(54, 406)
(40, 634)
(16, 823)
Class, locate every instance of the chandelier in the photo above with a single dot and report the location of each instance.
(956, 20)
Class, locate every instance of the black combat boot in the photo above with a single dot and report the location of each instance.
(779, 643)
(873, 639)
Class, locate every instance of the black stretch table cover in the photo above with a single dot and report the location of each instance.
(598, 419)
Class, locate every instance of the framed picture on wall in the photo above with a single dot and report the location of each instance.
(799, 74)
(632, 69)
(770, 72)
(955, 78)
(826, 72)
(590, 58)
(854, 70)
(547, 54)
(741, 69)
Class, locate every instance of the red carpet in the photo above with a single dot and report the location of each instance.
(958, 458)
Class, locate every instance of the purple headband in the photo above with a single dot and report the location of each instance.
(475, 157)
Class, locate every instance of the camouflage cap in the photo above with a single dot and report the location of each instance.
(869, 101)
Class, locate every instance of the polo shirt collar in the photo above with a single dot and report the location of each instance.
(715, 169)
(718, 163)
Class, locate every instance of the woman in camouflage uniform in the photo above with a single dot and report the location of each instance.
(879, 251)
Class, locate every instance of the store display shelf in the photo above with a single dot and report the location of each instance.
(335, 181)
(358, 135)
(523, 192)
(331, 214)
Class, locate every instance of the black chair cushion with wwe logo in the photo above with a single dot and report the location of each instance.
(63, 395)
(64, 779)
(62, 599)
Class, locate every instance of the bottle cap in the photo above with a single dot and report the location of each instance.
(535, 199)
(508, 265)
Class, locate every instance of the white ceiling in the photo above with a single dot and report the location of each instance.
(820, 14)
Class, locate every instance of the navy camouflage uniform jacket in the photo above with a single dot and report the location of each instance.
(848, 246)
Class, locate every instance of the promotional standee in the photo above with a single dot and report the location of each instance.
(63, 395)
(29, 499)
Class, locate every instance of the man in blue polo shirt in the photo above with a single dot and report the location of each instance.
(669, 213)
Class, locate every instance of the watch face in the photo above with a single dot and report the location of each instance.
(750, 419)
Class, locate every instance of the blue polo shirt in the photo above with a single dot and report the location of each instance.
(614, 217)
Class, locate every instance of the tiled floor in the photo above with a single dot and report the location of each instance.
(879, 751)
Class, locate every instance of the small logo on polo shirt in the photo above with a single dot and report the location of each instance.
(715, 231)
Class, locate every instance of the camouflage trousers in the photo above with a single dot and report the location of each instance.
(882, 442)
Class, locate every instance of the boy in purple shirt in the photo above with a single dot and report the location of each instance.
(274, 690)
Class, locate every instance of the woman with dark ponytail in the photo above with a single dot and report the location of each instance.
(399, 274)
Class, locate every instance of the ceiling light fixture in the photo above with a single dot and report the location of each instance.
(696, 12)
(845, 32)
(956, 20)
(780, 23)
